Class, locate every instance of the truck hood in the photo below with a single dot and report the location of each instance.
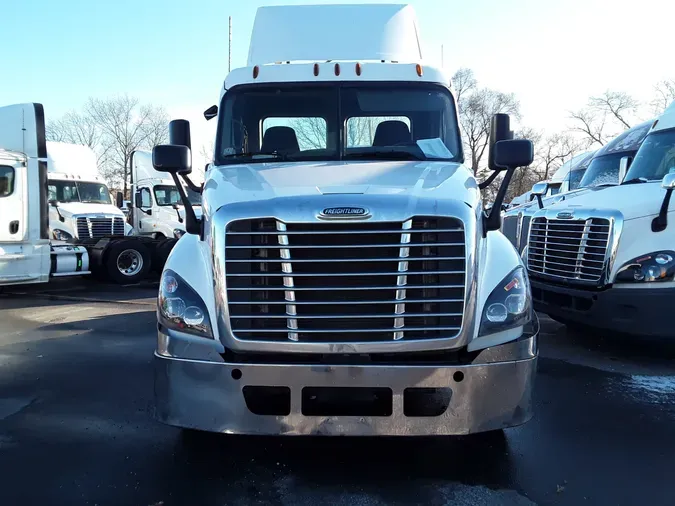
(73, 208)
(632, 200)
(416, 179)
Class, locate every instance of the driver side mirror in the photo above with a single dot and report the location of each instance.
(175, 206)
(668, 182)
(624, 165)
(119, 200)
(171, 158)
(138, 200)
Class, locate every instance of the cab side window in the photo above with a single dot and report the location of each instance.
(6, 181)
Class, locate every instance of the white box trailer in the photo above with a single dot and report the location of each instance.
(343, 278)
(48, 225)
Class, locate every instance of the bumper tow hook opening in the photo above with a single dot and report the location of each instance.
(236, 374)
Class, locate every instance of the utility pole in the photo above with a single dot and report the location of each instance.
(229, 48)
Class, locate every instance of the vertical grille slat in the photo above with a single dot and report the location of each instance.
(346, 282)
(575, 250)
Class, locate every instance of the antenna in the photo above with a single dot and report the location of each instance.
(229, 47)
(442, 58)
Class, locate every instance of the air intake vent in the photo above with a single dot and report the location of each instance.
(346, 282)
(88, 228)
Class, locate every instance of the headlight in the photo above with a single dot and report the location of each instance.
(61, 235)
(657, 266)
(178, 233)
(180, 308)
(509, 305)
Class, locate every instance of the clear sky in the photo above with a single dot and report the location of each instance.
(553, 54)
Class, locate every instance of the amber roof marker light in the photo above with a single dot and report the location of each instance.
(419, 70)
(316, 69)
(256, 71)
(358, 69)
(337, 69)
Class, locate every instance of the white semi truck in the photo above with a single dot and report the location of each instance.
(606, 260)
(343, 278)
(158, 211)
(56, 217)
(80, 205)
(605, 168)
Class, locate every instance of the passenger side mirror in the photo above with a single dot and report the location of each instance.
(514, 153)
(119, 200)
(52, 203)
(624, 165)
(175, 206)
(668, 182)
(138, 200)
(211, 112)
(500, 130)
(171, 158)
(539, 189)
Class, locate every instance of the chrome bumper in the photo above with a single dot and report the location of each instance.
(494, 391)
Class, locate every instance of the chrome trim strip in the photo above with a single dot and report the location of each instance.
(289, 295)
(402, 280)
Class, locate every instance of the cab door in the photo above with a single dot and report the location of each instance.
(143, 216)
(13, 201)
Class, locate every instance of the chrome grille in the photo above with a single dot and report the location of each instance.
(345, 282)
(570, 249)
(99, 227)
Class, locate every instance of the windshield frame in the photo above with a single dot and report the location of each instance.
(630, 174)
(76, 184)
(221, 159)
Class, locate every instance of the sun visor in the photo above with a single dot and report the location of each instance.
(22, 129)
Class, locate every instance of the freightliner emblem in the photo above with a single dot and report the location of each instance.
(565, 215)
(344, 212)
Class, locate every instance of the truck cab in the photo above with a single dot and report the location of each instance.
(158, 211)
(344, 278)
(605, 260)
(80, 204)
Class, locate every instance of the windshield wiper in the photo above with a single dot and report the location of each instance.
(389, 154)
(636, 180)
(259, 156)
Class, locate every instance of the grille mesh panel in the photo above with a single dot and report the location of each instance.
(346, 282)
(570, 249)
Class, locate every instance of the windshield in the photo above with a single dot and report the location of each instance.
(603, 170)
(167, 195)
(575, 178)
(78, 191)
(655, 158)
(262, 123)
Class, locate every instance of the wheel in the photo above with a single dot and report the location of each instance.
(161, 253)
(159, 235)
(127, 262)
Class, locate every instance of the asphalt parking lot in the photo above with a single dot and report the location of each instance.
(76, 426)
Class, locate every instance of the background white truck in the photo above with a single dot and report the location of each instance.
(348, 285)
(158, 211)
(81, 208)
(80, 204)
(606, 260)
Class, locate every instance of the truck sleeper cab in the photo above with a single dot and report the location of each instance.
(609, 259)
(342, 280)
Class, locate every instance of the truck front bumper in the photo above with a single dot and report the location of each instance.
(635, 311)
(493, 391)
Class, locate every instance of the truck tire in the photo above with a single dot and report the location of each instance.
(127, 262)
(161, 253)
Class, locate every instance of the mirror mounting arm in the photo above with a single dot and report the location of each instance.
(493, 221)
(660, 223)
(540, 201)
(192, 224)
(489, 180)
(195, 188)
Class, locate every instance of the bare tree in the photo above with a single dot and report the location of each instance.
(619, 105)
(475, 115)
(664, 95)
(311, 132)
(76, 128)
(126, 125)
(592, 125)
(464, 82)
(554, 151)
